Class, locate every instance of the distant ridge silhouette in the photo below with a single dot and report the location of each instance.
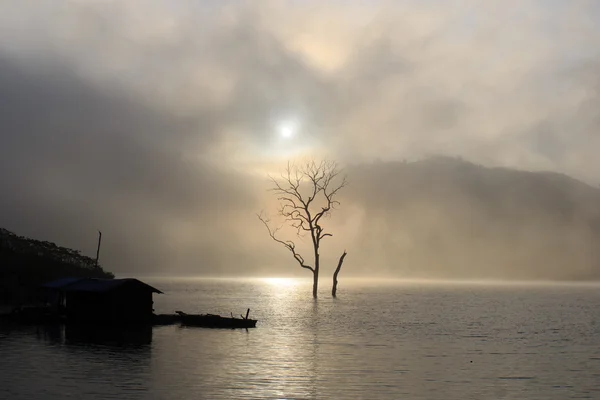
(443, 217)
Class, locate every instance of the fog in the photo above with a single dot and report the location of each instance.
(157, 122)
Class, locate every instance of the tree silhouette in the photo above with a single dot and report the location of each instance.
(307, 194)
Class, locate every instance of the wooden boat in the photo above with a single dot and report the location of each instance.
(216, 321)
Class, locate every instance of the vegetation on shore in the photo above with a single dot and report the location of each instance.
(27, 263)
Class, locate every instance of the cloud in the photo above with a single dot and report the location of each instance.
(155, 121)
(74, 157)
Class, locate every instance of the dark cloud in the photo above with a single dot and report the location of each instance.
(75, 159)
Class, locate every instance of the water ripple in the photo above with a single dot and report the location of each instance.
(373, 342)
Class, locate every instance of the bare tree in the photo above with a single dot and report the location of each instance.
(307, 194)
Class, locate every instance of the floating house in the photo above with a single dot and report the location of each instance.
(102, 300)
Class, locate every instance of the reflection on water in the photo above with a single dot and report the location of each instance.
(58, 362)
(375, 342)
(130, 337)
(86, 335)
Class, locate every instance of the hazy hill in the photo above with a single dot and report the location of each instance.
(26, 263)
(444, 217)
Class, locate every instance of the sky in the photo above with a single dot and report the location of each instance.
(158, 121)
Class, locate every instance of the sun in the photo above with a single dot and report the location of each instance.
(287, 132)
(287, 129)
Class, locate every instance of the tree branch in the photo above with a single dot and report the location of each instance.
(291, 246)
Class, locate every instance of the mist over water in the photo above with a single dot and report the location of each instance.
(378, 340)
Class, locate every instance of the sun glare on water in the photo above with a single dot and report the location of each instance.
(280, 282)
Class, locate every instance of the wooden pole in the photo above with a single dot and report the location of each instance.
(98, 250)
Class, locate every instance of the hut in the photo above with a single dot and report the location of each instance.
(102, 300)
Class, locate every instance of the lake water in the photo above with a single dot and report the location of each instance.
(378, 340)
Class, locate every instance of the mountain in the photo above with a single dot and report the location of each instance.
(26, 263)
(444, 217)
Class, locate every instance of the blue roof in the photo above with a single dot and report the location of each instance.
(61, 283)
(93, 284)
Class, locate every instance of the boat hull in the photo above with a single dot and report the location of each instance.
(216, 321)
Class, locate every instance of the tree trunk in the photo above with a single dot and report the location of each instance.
(335, 274)
(316, 274)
